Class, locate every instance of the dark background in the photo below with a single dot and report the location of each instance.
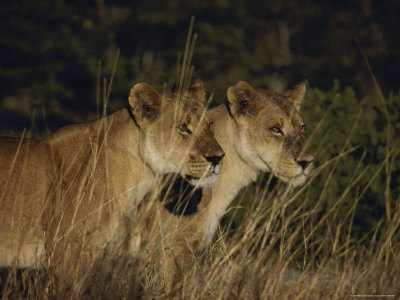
(50, 52)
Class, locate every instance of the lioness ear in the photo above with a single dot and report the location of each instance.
(296, 95)
(145, 102)
(196, 91)
(241, 98)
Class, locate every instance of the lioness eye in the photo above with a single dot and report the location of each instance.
(183, 129)
(276, 130)
(211, 125)
(303, 128)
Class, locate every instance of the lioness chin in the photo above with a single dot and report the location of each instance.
(64, 198)
(259, 131)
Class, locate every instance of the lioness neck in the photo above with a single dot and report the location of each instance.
(109, 147)
(235, 174)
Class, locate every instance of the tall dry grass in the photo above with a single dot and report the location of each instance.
(271, 254)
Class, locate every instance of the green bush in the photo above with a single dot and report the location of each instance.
(350, 123)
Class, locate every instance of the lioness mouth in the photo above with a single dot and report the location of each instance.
(215, 171)
(203, 178)
(190, 177)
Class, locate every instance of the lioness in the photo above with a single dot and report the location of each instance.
(259, 131)
(66, 195)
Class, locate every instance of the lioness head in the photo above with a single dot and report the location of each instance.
(270, 131)
(176, 135)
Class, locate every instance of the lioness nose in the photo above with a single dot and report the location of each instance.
(303, 163)
(214, 159)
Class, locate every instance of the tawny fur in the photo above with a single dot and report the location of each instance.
(65, 198)
(259, 131)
